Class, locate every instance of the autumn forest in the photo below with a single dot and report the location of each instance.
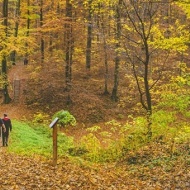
(117, 75)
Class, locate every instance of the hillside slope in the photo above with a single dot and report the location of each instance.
(140, 170)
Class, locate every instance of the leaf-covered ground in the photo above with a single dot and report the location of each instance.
(33, 173)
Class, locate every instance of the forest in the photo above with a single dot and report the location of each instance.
(117, 75)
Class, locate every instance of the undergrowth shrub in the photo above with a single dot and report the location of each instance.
(41, 117)
(168, 131)
(162, 122)
(132, 137)
(91, 143)
(111, 148)
(175, 96)
(65, 118)
(170, 122)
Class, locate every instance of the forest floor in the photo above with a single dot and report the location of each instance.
(34, 173)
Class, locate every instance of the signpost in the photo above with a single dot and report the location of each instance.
(54, 126)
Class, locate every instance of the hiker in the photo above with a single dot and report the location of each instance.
(8, 126)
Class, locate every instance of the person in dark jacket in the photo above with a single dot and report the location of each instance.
(8, 126)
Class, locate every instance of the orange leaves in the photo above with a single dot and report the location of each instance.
(19, 172)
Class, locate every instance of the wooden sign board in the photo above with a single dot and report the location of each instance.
(53, 123)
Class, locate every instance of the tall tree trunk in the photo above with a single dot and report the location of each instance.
(27, 28)
(51, 33)
(7, 98)
(89, 36)
(41, 24)
(106, 68)
(17, 14)
(68, 49)
(114, 95)
(105, 58)
(101, 24)
(142, 25)
(147, 88)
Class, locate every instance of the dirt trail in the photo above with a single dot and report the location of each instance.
(13, 109)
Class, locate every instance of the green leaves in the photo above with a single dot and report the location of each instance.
(65, 118)
(173, 38)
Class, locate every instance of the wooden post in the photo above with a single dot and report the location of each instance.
(54, 126)
(55, 145)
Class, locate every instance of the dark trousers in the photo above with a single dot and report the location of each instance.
(5, 137)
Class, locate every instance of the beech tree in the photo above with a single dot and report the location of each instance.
(27, 27)
(141, 18)
(117, 34)
(7, 98)
(41, 25)
(16, 11)
(103, 29)
(68, 49)
(89, 34)
(146, 37)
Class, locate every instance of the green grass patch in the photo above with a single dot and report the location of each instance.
(29, 140)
